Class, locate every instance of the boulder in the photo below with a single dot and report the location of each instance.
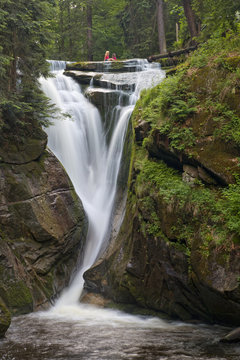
(22, 149)
(232, 336)
(43, 229)
(141, 131)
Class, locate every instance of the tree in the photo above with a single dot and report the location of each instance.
(191, 18)
(161, 27)
(94, 27)
(24, 35)
(216, 15)
(89, 30)
(139, 23)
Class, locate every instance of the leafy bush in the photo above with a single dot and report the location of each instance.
(229, 206)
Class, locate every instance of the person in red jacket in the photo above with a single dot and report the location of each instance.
(106, 56)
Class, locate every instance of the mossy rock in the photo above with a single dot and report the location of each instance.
(233, 62)
(17, 297)
(20, 149)
(5, 319)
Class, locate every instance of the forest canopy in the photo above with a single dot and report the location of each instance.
(79, 30)
(84, 29)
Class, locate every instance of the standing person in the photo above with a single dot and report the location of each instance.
(106, 56)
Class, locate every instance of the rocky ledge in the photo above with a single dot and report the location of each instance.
(100, 80)
(105, 66)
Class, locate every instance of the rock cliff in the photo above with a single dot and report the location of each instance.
(42, 225)
(178, 248)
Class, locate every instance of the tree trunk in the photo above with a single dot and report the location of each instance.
(61, 25)
(161, 28)
(191, 19)
(70, 51)
(89, 31)
(177, 32)
(172, 54)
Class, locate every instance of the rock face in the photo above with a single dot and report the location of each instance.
(43, 228)
(5, 319)
(178, 248)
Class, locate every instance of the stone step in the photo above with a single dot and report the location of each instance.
(107, 66)
(102, 98)
(98, 79)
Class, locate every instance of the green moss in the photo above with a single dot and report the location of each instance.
(233, 62)
(17, 297)
(5, 318)
(194, 208)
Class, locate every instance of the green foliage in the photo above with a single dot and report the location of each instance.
(70, 28)
(167, 106)
(217, 15)
(107, 31)
(139, 26)
(217, 47)
(230, 206)
(228, 125)
(170, 186)
(215, 213)
(174, 108)
(25, 33)
(181, 138)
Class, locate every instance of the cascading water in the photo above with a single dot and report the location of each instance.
(91, 154)
(92, 164)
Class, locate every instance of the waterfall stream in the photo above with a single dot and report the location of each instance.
(91, 162)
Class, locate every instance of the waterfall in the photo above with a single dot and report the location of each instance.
(91, 161)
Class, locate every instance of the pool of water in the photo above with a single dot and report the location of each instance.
(88, 333)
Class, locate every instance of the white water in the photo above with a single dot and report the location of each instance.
(93, 166)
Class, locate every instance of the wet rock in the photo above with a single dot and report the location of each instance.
(190, 170)
(205, 176)
(141, 131)
(43, 228)
(83, 77)
(233, 336)
(95, 299)
(5, 319)
(98, 79)
(106, 99)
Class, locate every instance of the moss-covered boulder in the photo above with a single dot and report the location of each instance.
(22, 145)
(5, 319)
